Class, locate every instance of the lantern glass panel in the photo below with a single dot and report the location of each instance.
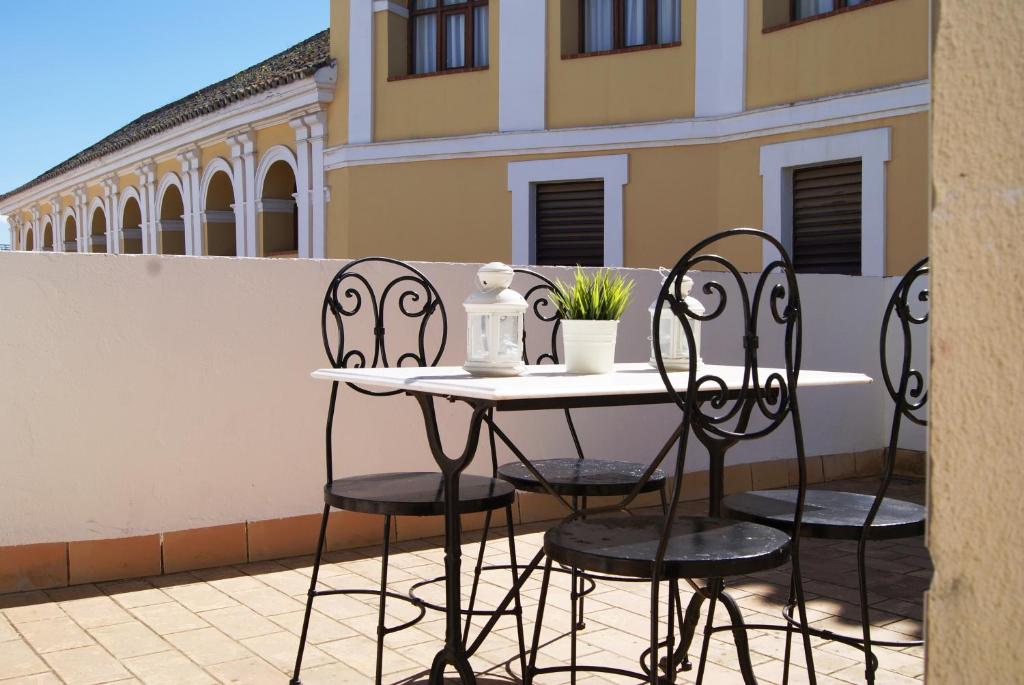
(479, 341)
(509, 336)
(665, 336)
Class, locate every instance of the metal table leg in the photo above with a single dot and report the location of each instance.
(454, 652)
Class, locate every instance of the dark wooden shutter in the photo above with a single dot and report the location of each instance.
(570, 223)
(826, 219)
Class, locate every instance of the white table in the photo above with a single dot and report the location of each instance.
(540, 387)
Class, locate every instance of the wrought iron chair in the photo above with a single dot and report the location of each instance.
(409, 297)
(838, 515)
(671, 547)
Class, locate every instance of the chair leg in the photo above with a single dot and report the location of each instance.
(789, 633)
(517, 602)
(581, 622)
(310, 595)
(528, 674)
(654, 631)
(716, 585)
(381, 630)
(574, 626)
(801, 603)
(476, 576)
(670, 636)
(865, 611)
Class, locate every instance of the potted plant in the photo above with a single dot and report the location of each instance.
(590, 310)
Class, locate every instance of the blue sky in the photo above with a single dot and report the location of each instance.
(71, 71)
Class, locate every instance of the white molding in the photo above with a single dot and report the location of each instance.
(274, 205)
(721, 55)
(522, 51)
(268, 108)
(523, 177)
(873, 147)
(805, 116)
(393, 7)
(319, 193)
(97, 203)
(360, 72)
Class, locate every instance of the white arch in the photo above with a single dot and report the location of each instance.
(217, 164)
(129, 193)
(277, 153)
(169, 179)
(68, 211)
(97, 203)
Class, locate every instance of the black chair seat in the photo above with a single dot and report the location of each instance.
(700, 547)
(415, 494)
(828, 513)
(581, 477)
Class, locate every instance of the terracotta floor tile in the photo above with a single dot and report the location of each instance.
(239, 622)
(249, 671)
(18, 659)
(95, 611)
(125, 640)
(280, 648)
(168, 668)
(208, 646)
(47, 678)
(54, 634)
(168, 618)
(86, 666)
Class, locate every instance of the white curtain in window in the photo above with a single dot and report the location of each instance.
(635, 22)
(597, 32)
(809, 8)
(668, 21)
(425, 45)
(481, 44)
(455, 41)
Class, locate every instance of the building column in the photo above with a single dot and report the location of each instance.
(189, 160)
(147, 196)
(319, 196)
(302, 190)
(243, 164)
(360, 72)
(83, 227)
(110, 209)
(37, 240)
(15, 227)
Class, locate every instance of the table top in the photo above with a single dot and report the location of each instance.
(550, 385)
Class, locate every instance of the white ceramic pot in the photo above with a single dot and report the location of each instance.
(589, 345)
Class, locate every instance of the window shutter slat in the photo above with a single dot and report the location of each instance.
(827, 218)
(570, 223)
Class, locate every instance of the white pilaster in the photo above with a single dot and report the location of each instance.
(147, 197)
(110, 204)
(319, 195)
(244, 165)
(302, 191)
(721, 57)
(189, 160)
(522, 50)
(37, 239)
(83, 228)
(55, 223)
(360, 71)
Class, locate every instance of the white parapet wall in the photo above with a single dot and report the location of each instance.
(144, 394)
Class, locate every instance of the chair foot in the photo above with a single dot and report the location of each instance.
(294, 681)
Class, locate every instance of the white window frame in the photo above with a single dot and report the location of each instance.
(873, 147)
(523, 178)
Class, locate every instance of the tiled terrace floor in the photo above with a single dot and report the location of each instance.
(240, 624)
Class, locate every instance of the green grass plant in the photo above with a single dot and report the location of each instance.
(602, 296)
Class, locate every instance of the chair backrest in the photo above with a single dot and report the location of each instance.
(720, 415)
(905, 314)
(536, 290)
(365, 300)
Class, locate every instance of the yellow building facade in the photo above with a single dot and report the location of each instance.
(543, 131)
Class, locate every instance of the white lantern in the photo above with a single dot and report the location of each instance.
(675, 353)
(494, 329)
